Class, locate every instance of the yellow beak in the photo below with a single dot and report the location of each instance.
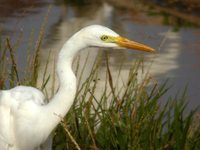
(126, 43)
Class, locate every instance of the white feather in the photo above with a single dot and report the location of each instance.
(26, 122)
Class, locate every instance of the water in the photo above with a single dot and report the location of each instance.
(177, 60)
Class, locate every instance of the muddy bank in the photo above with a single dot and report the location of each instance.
(187, 10)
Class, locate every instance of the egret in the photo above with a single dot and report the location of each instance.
(26, 121)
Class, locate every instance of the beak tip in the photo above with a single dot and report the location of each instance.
(149, 49)
(152, 50)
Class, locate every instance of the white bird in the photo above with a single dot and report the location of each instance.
(26, 121)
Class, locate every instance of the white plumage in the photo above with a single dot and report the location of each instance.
(18, 111)
(26, 121)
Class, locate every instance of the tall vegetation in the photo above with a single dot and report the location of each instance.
(129, 117)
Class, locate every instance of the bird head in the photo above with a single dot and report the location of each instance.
(100, 36)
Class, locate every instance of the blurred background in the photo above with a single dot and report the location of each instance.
(170, 26)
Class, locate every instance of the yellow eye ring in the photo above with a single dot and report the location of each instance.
(104, 37)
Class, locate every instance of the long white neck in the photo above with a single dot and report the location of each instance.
(60, 104)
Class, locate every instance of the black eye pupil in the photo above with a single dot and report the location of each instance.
(105, 37)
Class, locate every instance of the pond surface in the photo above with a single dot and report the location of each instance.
(177, 59)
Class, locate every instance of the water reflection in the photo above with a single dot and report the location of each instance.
(165, 64)
(71, 20)
(178, 58)
(19, 8)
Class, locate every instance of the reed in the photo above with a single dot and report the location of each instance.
(135, 119)
(129, 117)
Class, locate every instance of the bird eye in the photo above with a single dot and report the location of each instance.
(104, 38)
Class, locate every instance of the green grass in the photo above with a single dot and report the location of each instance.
(133, 120)
(129, 117)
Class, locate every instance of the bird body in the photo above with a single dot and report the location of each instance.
(19, 108)
(26, 121)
